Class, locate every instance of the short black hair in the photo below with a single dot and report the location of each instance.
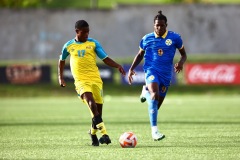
(80, 24)
(160, 16)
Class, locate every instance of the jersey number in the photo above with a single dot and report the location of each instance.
(81, 53)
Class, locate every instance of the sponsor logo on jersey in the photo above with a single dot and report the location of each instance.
(89, 47)
(160, 52)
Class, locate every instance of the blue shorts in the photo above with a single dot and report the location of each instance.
(151, 77)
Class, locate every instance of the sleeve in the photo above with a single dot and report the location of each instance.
(179, 42)
(142, 43)
(64, 54)
(99, 51)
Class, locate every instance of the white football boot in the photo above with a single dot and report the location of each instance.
(143, 94)
(157, 136)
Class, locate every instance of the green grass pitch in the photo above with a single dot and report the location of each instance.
(196, 127)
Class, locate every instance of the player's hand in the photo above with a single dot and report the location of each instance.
(62, 82)
(130, 74)
(178, 67)
(121, 70)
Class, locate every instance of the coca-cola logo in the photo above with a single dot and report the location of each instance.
(216, 74)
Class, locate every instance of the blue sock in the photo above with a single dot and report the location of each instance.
(152, 110)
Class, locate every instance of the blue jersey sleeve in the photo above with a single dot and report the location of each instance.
(142, 43)
(99, 51)
(64, 54)
(179, 42)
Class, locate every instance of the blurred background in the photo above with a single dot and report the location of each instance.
(32, 33)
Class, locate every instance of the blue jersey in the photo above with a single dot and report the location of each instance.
(159, 53)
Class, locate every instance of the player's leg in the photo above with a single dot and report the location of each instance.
(153, 82)
(161, 99)
(97, 122)
(94, 128)
(145, 93)
(98, 96)
(153, 102)
(152, 98)
(88, 99)
(85, 92)
(163, 91)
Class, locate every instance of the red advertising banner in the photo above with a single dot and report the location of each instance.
(213, 73)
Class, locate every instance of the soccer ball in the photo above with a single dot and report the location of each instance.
(128, 140)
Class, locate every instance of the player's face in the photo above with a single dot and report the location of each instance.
(160, 27)
(82, 34)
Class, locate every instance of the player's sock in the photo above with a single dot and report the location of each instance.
(102, 128)
(99, 124)
(153, 111)
(93, 131)
(98, 118)
(93, 128)
(154, 129)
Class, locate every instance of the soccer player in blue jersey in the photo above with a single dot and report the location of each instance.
(158, 49)
(83, 52)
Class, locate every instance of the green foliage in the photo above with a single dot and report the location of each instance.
(94, 3)
(196, 127)
(45, 3)
(22, 3)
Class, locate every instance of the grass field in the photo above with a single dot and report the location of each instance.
(196, 127)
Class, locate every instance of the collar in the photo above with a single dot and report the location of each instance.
(163, 36)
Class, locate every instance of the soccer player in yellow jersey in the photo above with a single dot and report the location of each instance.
(83, 52)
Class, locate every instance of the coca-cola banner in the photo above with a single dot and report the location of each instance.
(213, 73)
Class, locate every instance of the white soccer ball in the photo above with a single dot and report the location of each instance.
(128, 140)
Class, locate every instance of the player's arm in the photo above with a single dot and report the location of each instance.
(138, 58)
(179, 65)
(108, 61)
(61, 64)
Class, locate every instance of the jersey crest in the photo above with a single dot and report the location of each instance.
(168, 42)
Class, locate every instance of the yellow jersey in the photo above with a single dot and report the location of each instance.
(83, 57)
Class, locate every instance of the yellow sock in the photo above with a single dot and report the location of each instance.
(93, 131)
(102, 128)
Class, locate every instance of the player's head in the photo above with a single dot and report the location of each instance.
(160, 23)
(82, 30)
